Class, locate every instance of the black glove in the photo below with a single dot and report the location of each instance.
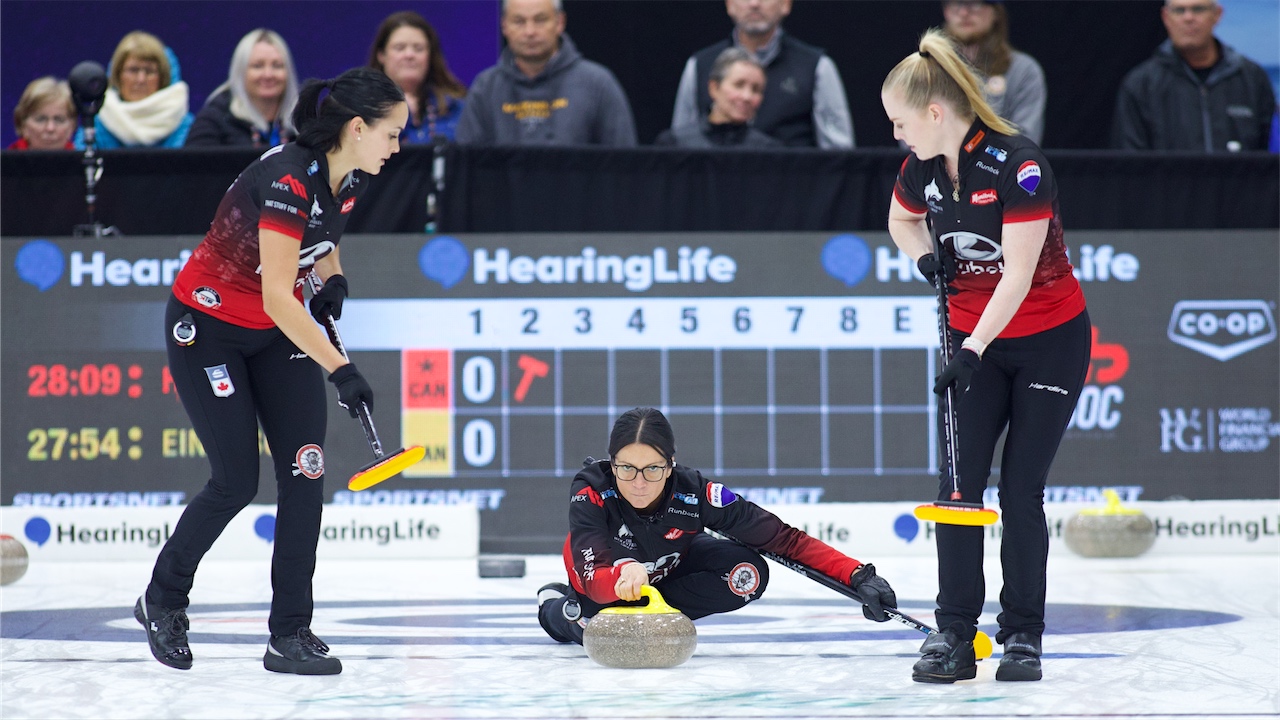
(352, 388)
(328, 301)
(958, 372)
(930, 266)
(875, 592)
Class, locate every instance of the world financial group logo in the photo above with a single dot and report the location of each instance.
(1222, 329)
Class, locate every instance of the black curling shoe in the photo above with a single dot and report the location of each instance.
(300, 654)
(945, 659)
(1021, 661)
(166, 633)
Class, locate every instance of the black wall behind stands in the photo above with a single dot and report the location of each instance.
(148, 192)
(1084, 46)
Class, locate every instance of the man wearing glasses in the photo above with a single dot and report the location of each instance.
(638, 518)
(1195, 93)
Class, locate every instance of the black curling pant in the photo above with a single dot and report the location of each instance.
(715, 576)
(275, 384)
(1029, 385)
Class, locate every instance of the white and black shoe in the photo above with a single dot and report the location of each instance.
(300, 654)
(166, 633)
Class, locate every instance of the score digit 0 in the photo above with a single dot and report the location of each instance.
(479, 439)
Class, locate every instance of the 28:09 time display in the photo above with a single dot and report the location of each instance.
(58, 380)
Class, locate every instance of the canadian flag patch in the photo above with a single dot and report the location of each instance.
(220, 380)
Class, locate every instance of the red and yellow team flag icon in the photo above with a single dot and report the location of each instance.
(427, 410)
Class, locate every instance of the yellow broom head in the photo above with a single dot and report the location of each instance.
(386, 467)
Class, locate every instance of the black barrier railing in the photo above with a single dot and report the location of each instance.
(507, 189)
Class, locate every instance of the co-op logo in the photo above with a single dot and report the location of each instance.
(1222, 329)
(446, 260)
(41, 263)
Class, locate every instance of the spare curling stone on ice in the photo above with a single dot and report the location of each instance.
(13, 559)
(500, 566)
(649, 636)
(1112, 531)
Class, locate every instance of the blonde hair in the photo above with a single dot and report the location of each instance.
(141, 46)
(241, 106)
(938, 73)
(40, 91)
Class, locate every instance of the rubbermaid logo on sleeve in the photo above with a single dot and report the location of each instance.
(1222, 329)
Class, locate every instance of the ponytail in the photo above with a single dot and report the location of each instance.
(360, 92)
(938, 73)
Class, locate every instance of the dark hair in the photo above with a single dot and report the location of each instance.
(359, 92)
(439, 79)
(644, 425)
(994, 51)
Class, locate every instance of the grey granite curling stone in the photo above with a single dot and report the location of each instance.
(651, 636)
(1114, 531)
(13, 559)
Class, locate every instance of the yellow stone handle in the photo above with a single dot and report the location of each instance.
(657, 605)
(1113, 506)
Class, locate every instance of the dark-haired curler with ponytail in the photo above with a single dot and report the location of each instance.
(244, 350)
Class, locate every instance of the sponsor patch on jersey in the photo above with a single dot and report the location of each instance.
(588, 495)
(1029, 176)
(309, 462)
(744, 580)
(973, 143)
(673, 534)
(686, 498)
(347, 205)
(997, 153)
(206, 296)
(719, 495)
(289, 183)
(983, 197)
(313, 168)
(220, 380)
(931, 191)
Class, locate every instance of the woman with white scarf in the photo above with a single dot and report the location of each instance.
(146, 103)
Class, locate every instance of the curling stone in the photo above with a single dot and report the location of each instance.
(1111, 531)
(13, 559)
(649, 636)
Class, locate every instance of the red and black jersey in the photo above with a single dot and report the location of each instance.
(286, 190)
(606, 532)
(1003, 179)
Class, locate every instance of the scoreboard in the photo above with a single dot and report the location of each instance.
(785, 362)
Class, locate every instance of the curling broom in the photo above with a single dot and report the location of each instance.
(954, 512)
(384, 465)
(981, 642)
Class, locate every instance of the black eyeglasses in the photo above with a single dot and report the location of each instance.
(653, 473)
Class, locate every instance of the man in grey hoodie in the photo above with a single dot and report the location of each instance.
(542, 91)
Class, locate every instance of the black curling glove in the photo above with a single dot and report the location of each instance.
(328, 301)
(959, 371)
(875, 592)
(352, 388)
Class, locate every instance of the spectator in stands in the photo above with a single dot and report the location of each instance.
(407, 49)
(1195, 93)
(736, 87)
(255, 105)
(804, 103)
(1013, 82)
(146, 102)
(542, 91)
(45, 117)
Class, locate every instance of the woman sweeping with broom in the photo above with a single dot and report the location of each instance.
(987, 200)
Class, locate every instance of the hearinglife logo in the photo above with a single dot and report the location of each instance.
(41, 263)
(446, 261)
(1222, 329)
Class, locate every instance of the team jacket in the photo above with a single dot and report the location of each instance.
(1003, 179)
(283, 190)
(606, 532)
